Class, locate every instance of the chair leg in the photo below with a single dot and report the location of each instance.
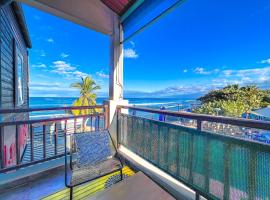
(121, 174)
(71, 193)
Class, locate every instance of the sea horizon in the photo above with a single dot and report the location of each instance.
(136, 101)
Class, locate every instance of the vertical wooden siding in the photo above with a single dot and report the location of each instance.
(11, 33)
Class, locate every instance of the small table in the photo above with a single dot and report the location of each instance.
(137, 187)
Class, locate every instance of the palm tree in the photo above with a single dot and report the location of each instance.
(87, 97)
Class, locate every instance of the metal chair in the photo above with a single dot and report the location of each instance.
(91, 155)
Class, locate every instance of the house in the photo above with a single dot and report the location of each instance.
(259, 114)
(183, 162)
(14, 76)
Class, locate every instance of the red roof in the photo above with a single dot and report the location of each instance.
(119, 6)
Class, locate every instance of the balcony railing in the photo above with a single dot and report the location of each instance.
(26, 141)
(216, 166)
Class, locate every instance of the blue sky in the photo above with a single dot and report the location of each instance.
(202, 45)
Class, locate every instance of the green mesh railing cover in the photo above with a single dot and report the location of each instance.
(216, 166)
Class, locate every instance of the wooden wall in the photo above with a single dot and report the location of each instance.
(10, 34)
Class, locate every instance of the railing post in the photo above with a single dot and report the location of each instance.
(199, 125)
(106, 116)
(131, 134)
(97, 124)
(252, 175)
(32, 141)
(75, 125)
(206, 165)
(227, 172)
(151, 139)
(91, 122)
(177, 155)
(83, 124)
(206, 157)
(158, 144)
(2, 165)
(65, 147)
(190, 178)
(17, 146)
(44, 139)
(55, 138)
(118, 110)
(167, 147)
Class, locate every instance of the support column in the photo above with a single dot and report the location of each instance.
(116, 88)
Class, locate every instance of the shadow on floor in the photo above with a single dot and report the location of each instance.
(52, 187)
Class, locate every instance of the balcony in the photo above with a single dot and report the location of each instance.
(179, 153)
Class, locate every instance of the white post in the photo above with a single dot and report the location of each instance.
(116, 69)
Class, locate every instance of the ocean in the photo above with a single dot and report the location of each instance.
(174, 104)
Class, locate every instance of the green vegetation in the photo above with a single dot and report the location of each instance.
(87, 97)
(234, 100)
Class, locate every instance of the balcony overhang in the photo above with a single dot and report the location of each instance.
(100, 15)
(92, 14)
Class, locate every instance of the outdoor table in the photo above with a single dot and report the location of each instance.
(137, 187)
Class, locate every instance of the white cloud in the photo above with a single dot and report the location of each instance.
(130, 53)
(79, 74)
(101, 74)
(267, 61)
(248, 72)
(255, 76)
(63, 55)
(44, 84)
(39, 65)
(50, 40)
(227, 72)
(56, 89)
(172, 91)
(51, 89)
(62, 68)
(42, 76)
(201, 70)
(185, 70)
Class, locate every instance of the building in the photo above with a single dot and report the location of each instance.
(187, 163)
(14, 72)
(259, 114)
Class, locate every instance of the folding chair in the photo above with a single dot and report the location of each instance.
(91, 155)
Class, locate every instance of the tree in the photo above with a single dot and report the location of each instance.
(234, 100)
(87, 97)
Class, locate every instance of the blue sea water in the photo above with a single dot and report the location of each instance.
(169, 103)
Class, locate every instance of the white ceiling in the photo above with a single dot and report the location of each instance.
(92, 14)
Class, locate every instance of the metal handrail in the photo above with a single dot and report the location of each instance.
(42, 123)
(265, 125)
(150, 139)
(57, 119)
(22, 110)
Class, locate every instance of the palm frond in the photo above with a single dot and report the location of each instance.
(87, 98)
(97, 87)
(76, 85)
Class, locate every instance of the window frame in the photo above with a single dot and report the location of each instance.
(19, 73)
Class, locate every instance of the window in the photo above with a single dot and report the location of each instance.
(19, 78)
